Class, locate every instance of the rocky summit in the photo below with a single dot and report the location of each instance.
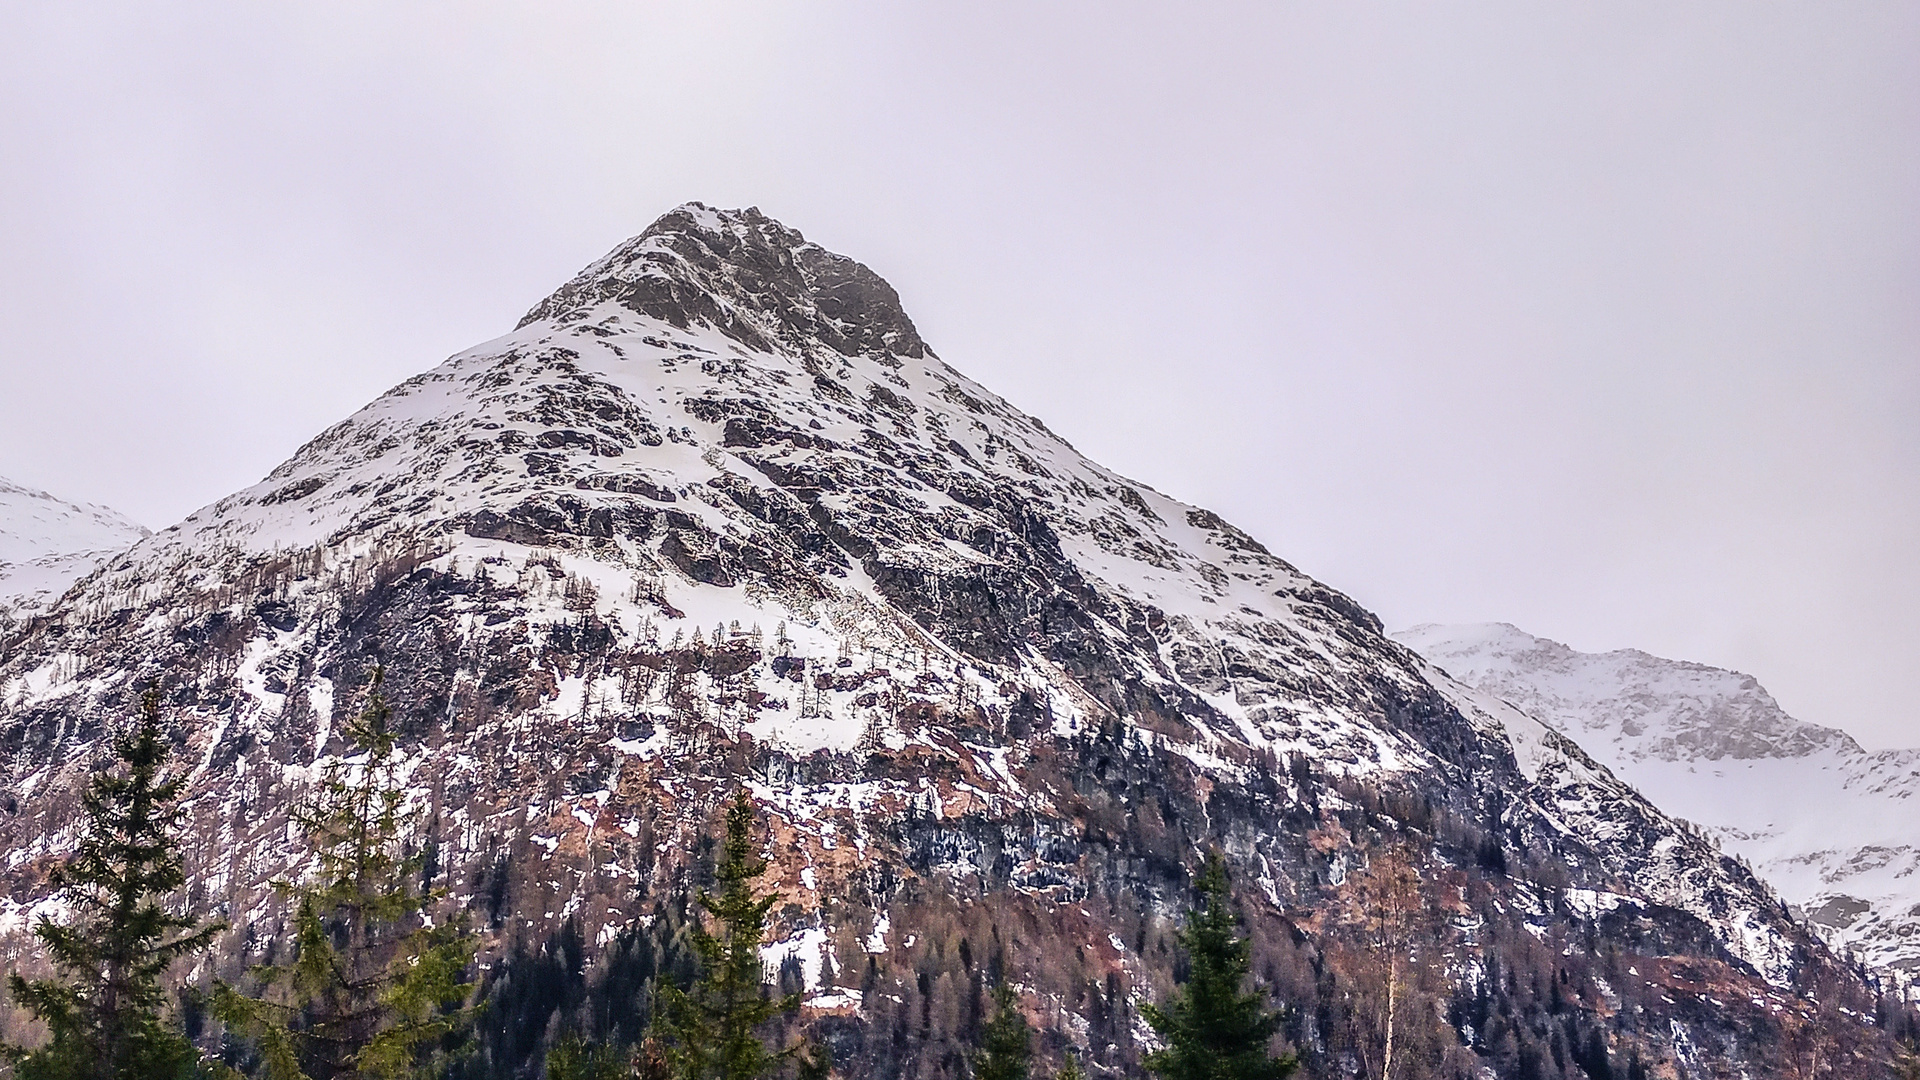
(712, 516)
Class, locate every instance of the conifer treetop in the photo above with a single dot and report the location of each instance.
(714, 1025)
(372, 985)
(1213, 1030)
(104, 1011)
(1006, 1040)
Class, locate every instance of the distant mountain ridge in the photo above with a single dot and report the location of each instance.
(48, 543)
(1835, 828)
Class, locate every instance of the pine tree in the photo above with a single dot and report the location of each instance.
(1070, 1069)
(104, 1013)
(1005, 1051)
(1212, 1030)
(371, 987)
(714, 1025)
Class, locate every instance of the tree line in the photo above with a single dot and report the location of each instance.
(371, 986)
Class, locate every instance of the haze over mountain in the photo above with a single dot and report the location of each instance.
(1833, 827)
(714, 515)
(46, 544)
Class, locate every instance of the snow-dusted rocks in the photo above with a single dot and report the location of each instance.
(1833, 827)
(714, 513)
(47, 544)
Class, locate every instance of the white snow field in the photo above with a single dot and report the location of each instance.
(47, 544)
(1833, 827)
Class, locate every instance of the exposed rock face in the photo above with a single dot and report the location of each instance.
(751, 278)
(1833, 827)
(714, 514)
(47, 544)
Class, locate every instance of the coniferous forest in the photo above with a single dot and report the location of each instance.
(378, 976)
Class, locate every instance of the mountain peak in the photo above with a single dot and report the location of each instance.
(1828, 824)
(1626, 703)
(714, 518)
(748, 276)
(47, 543)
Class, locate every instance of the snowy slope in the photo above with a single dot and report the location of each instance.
(1833, 827)
(715, 492)
(593, 415)
(46, 544)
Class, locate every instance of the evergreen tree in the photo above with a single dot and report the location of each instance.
(714, 1025)
(371, 987)
(1592, 1055)
(573, 1059)
(104, 1013)
(1212, 1030)
(1005, 1051)
(1070, 1069)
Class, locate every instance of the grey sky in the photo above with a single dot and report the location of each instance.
(1603, 319)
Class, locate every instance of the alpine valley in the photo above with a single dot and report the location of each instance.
(712, 517)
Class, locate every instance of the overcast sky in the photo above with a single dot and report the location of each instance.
(1602, 319)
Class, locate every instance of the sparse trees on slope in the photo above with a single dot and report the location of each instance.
(371, 986)
(714, 1025)
(1212, 1029)
(104, 1012)
(1005, 1051)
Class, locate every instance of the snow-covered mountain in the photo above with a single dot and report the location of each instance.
(714, 512)
(47, 544)
(1835, 828)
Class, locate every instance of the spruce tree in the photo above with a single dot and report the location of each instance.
(1070, 1069)
(1005, 1051)
(104, 1012)
(1211, 1029)
(371, 987)
(714, 1025)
